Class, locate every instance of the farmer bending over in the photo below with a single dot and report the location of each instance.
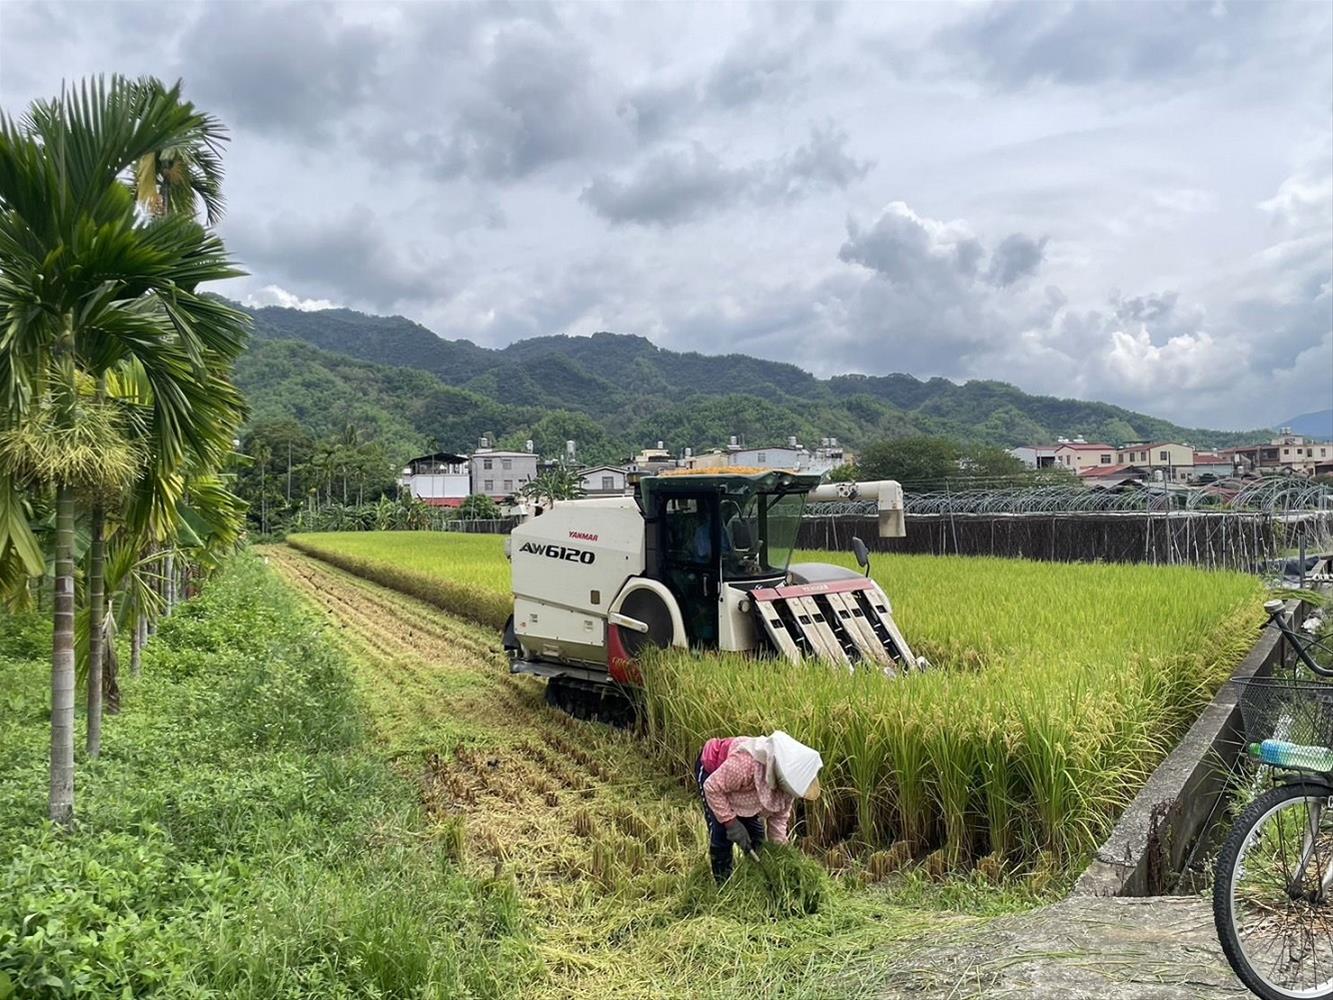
(748, 782)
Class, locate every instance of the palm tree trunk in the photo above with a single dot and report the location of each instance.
(136, 643)
(61, 802)
(169, 581)
(96, 612)
(110, 664)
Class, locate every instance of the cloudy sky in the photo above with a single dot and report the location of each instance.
(1130, 202)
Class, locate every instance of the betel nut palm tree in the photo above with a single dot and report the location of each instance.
(113, 367)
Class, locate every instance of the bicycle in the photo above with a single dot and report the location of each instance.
(1273, 885)
(1312, 649)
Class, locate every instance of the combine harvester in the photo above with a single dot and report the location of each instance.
(697, 561)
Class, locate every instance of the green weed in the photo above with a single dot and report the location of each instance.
(238, 836)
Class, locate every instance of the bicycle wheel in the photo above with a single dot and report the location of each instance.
(1273, 894)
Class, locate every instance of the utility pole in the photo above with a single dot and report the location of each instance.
(289, 472)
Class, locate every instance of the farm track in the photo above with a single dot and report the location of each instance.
(575, 811)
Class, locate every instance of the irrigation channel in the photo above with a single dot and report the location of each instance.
(601, 842)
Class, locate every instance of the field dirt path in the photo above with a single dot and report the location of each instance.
(599, 841)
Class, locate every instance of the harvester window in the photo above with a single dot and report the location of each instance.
(689, 531)
(759, 534)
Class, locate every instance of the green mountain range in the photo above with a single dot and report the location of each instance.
(397, 381)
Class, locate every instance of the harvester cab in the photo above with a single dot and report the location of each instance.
(700, 561)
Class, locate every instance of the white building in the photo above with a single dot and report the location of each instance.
(792, 455)
(768, 458)
(1036, 456)
(440, 479)
(602, 480)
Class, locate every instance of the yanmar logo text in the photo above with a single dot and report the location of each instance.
(586, 536)
(564, 553)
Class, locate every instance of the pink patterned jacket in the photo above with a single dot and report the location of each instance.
(737, 786)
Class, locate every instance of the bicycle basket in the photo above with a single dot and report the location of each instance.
(1292, 722)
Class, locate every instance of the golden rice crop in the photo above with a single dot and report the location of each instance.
(1054, 691)
(462, 573)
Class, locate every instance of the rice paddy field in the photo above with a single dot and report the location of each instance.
(1054, 690)
(604, 843)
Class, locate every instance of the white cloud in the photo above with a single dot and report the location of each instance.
(272, 295)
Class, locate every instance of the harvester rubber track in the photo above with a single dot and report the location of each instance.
(611, 704)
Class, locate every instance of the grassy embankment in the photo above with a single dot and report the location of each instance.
(1056, 689)
(240, 836)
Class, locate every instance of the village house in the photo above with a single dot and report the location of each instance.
(1078, 455)
(499, 474)
(1287, 452)
(1036, 456)
(1173, 463)
(792, 455)
(602, 480)
(1212, 463)
(440, 479)
(1108, 476)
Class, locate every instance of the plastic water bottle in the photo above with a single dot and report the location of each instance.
(1280, 753)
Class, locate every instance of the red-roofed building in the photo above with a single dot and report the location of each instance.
(1213, 463)
(1079, 455)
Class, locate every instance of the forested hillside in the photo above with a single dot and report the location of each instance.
(614, 393)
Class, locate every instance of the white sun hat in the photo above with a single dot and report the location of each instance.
(796, 765)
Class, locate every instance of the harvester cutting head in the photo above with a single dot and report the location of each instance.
(698, 560)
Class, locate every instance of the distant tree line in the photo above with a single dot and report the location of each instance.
(923, 463)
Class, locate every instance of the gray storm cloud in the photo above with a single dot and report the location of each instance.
(1124, 202)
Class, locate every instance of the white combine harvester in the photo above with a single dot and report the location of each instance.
(691, 561)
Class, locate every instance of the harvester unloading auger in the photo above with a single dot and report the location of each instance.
(697, 561)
